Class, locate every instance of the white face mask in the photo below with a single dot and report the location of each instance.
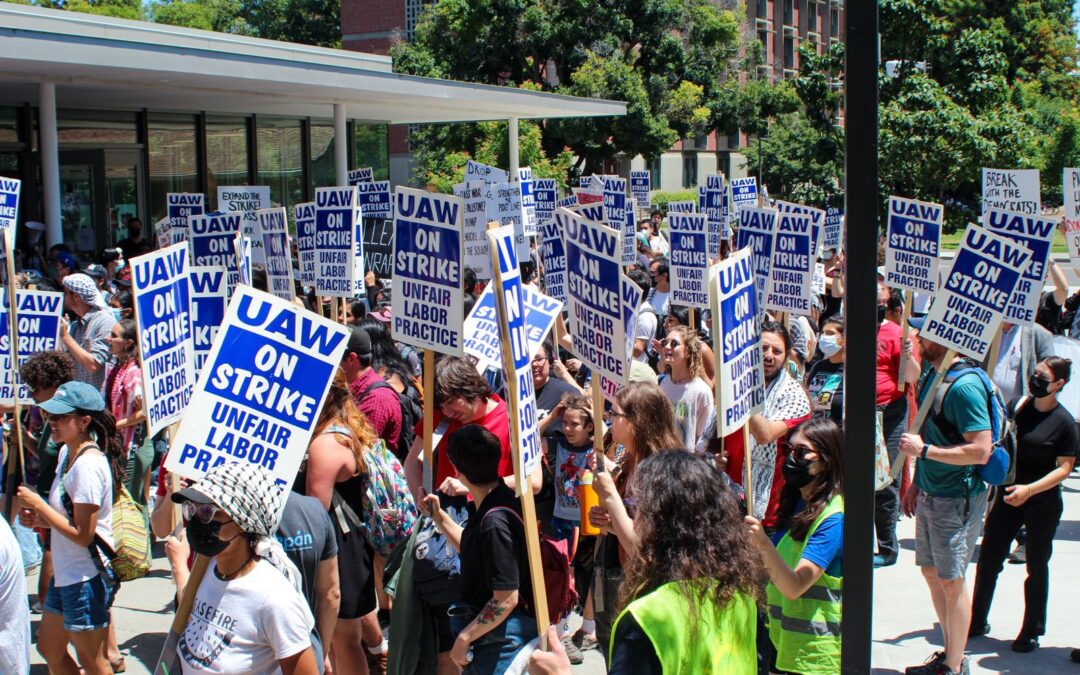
(829, 345)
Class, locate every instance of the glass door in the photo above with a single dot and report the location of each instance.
(82, 209)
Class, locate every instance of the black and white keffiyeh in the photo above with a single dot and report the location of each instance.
(785, 399)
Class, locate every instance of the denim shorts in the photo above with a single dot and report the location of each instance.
(84, 605)
(493, 653)
(945, 535)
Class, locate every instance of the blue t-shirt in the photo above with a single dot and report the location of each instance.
(825, 547)
(966, 407)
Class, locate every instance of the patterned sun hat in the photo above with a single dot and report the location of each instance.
(246, 492)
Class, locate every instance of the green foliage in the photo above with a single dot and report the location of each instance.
(121, 9)
(661, 199)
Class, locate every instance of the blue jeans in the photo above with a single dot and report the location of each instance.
(493, 653)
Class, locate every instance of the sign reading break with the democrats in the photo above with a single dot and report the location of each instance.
(259, 396)
(159, 282)
(741, 380)
(9, 202)
(428, 302)
(968, 308)
(1015, 190)
(208, 303)
(689, 259)
(912, 244)
(338, 270)
(38, 316)
(1037, 235)
(593, 254)
(790, 287)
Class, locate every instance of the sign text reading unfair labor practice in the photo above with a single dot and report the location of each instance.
(912, 244)
(741, 378)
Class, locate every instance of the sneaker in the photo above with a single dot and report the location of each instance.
(976, 630)
(1025, 644)
(377, 662)
(572, 652)
(1018, 555)
(965, 669)
(584, 641)
(932, 666)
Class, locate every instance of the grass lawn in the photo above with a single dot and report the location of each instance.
(952, 241)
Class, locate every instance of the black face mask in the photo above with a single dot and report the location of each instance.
(881, 310)
(797, 471)
(1038, 387)
(204, 537)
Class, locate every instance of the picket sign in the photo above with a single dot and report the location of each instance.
(1070, 186)
(790, 279)
(631, 300)
(275, 229)
(362, 175)
(37, 330)
(640, 185)
(817, 222)
(247, 200)
(9, 202)
(1014, 190)
(209, 300)
(304, 217)
(473, 197)
(179, 207)
(212, 245)
(339, 271)
(163, 232)
(689, 257)
(481, 330)
(484, 172)
(756, 227)
(1037, 234)
(16, 461)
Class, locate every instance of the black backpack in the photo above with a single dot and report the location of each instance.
(411, 413)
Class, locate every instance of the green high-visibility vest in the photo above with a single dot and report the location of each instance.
(806, 630)
(723, 642)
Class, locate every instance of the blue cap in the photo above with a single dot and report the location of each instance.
(72, 396)
(917, 322)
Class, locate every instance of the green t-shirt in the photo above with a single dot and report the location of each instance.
(966, 407)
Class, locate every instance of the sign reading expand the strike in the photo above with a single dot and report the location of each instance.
(208, 302)
(473, 197)
(159, 282)
(179, 207)
(1015, 190)
(553, 257)
(38, 315)
(756, 226)
(790, 287)
(615, 214)
(338, 271)
(428, 302)
(593, 254)
(912, 244)
(275, 229)
(689, 259)
(1070, 187)
(247, 199)
(259, 397)
(212, 238)
(304, 215)
(970, 304)
(1036, 234)
(640, 184)
(741, 378)
(9, 203)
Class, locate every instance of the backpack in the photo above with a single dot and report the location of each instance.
(436, 564)
(558, 581)
(389, 512)
(412, 411)
(1000, 468)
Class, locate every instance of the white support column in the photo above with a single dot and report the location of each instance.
(50, 163)
(341, 145)
(512, 137)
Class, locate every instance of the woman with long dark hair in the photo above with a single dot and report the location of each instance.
(805, 556)
(385, 357)
(124, 394)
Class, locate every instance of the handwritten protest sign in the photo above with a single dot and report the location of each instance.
(528, 203)
(485, 172)
(553, 257)
(640, 185)
(179, 207)
(9, 204)
(338, 271)
(247, 199)
(362, 175)
(790, 285)
(504, 207)
(832, 235)
(212, 244)
(689, 259)
(968, 308)
(597, 329)
(160, 284)
(912, 244)
(593, 194)
(38, 316)
(259, 396)
(1070, 187)
(545, 193)
(375, 199)
(162, 232)
(304, 216)
(756, 227)
(615, 215)
(1015, 190)
(1036, 234)
(740, 378)
(428, 302)
(713, 208)
(208, 297)
(473, 197)
(275, 229)
(379, 246)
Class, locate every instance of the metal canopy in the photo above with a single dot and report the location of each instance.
(103, 62)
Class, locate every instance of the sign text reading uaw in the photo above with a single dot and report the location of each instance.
(912, 244)
(338, 271)
(162, 303)
(756, 227)
(259, 397)
(790, 284)
(38, 316)
(1037, 235)
(275, 229)
(689, 259)
(179, 207)
(428, 301)
(741, 378)
(212, 243)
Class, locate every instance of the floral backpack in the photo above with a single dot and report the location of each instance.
(389, 512)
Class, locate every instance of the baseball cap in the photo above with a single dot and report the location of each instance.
(72, 396)
(95, 271)
(246, 492)
(917, 322)
(359, 342)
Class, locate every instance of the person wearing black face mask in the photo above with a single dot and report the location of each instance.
(806, 553)
(1047, 444)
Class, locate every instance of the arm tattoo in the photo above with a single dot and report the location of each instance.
(492, 611)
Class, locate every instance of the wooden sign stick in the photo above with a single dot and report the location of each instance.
(924, 409)
(16, 459)
(169, 661)
(901, 381)
(429, 422)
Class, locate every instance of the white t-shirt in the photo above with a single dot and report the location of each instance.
(658, 245)
(659, 301)
(693, 402)
(88, 481)
(245, 625)
(646, 330)
(1006, 373)
(14, 612)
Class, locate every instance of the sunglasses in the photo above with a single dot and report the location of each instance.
(204, 512)
(670, 343)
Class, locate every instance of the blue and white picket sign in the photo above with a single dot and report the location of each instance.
(279, 277)
(756, 227)
(553, 258)
(473, 197)
(1014, 190)
(160, 285)
(304, 216)
(163, 232)
(485, 172)
(545, 193)
(247, 199)
(212, 241)
(593, 211)
(726, 232)
(631, 301)
(713, 208)
(209, 298)
(38, 316)
(362, 175)
(969, 306)
(744, 192)
(689, 259)
(615, 216)
(481, 331)
(790, 287)
(682, 207)
(9, 203)
(832, 235)
(1037, 234)
(593, 264)
(819, 279)
(528, 203)
(242, 247)
(817, 222)
(428, 302)
(338, 270)
(375, 199)
(913, 244)
(640, 186)
(740, 380)
(179, 206)
(565, 203)
(504, 207)
(259, 396)
(629, 231)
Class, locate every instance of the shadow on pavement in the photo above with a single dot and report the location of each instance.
(144, 648)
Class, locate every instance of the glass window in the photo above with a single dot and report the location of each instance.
(174, 160)
(654, 173)
(226, 152)
(281, 159)
(10, 124)
(789, 12)
(834, 23)
(371, 148)
(96, 127)
(762, 9)
(812, 16)
(323, 171)
(789, 53)
(763, 37)
(689, 171)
